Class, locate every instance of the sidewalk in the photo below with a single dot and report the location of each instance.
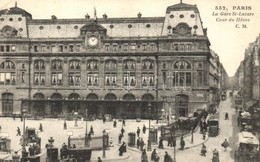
(197, 140)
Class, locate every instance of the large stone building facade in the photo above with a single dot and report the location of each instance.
(107, 65)
(247, 75)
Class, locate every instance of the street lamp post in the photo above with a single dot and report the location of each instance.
(149, 140)
(76, 118)
(162, 121)
(23, 143)
(192, 135)
(104, 145)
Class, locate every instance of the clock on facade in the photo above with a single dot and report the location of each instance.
(92, 41)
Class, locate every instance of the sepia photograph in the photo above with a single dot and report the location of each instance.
(129, 80)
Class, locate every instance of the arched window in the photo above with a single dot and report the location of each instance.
(147, 72)
(74, 72)
(129, 74)
(39, 72)
(129, 64)
(110, 64)
(93, 72)
(181, 74)
(7, 103)
(7, 73)
(39, 64)
(56, 74)
(92, 64)
(110, 72)
(56, 64)
(74, 64)
(129, 97)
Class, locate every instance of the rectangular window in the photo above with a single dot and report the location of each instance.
(125, 47)
(200, 77)
(13, 48)
(56, 78)
(7, 78)
(92, 79)
(110, 79)
(147, 79)
(13, 78)
(71, 48)
(176, 48)
(181, 47)
(60, 48)
(133, 47)
(107, 47)
(43, 48)
(2, 48)
(129, 79)
(152, 47)
(52, 48)
(35, 48)
(144, 47)
(114, 48)
(188, 47)
(74, 78)
(7, 48)
(39, 78)
(78, 48)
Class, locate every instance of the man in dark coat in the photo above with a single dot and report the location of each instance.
(120, 138)
(114, 123)
(122, 131)
(182, 143)
(161, 143)
(138, 142)
(153, 155)
(144, 129)
(18, 131)
(141, 144)
(122, 149)
(138, 131)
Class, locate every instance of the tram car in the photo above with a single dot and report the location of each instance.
(213, 125)
(248, 148)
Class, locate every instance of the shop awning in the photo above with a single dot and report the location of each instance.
(247, 138)
(250, 104)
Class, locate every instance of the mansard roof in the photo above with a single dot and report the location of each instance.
(182, 7)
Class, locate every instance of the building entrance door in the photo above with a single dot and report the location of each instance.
(182, 104)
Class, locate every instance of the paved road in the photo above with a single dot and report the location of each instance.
(54, 128)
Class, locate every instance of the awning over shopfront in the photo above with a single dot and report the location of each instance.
(250, 104)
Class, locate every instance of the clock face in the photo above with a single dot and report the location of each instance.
(92, 41)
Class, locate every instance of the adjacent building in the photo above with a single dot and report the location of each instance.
(107, 65)
(247, 75)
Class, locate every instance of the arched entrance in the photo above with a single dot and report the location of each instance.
(109, 105)
(146, 99)
(129, 106)
(73, 105)
(56, 104)
(39, 104)
(182, 104)
(92, 104)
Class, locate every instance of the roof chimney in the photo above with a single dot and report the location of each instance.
(105, 16)
(139, 15)
(53, 17)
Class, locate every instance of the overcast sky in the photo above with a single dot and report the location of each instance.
(226, 40)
